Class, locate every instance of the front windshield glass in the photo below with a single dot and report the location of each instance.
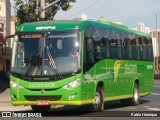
(50, 53)
(62, 52)
(27, 54)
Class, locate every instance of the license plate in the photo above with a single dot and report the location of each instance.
(42, 102)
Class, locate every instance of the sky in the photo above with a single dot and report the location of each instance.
(129, 12)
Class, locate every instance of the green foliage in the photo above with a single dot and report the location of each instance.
(26, 10)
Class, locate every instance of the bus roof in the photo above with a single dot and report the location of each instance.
(73, 24)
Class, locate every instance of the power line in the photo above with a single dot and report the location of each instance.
(83, 9)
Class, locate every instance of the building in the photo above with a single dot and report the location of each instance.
(12, 31)
(141, 27)
(156, 42)
(155, 34)
(147, 30)
(5, 14)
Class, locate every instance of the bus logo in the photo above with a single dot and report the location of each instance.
(117, 66)
(42, 91)
(46, 28)
(41, 85)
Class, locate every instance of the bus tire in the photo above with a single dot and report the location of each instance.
(99, 104)
(40, 108)
(135, 98)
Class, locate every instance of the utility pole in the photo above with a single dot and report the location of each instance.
(37, 9)
(51, 4)
(157, 50)
(42, 14)
(42, 9)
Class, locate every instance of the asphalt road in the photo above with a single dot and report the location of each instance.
(148, 105)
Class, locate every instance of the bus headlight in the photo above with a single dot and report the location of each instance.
(72, 84)
(15, 85)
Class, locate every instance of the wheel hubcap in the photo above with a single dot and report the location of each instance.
(135, 94)
(97, 98)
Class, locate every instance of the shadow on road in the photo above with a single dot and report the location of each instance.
(4, 84)
(142, 101)
(110, 109)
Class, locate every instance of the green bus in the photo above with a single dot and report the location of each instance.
(79, 62)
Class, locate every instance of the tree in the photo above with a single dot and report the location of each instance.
(25, 9)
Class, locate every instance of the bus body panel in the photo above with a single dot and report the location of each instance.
(117, 75)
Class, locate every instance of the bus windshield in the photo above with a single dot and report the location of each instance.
(47, 54)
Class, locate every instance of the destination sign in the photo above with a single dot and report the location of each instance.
(31, 35)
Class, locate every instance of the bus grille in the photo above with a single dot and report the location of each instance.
(35, 98)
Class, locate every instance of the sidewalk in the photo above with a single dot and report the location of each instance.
(6, 105)
(5, 96)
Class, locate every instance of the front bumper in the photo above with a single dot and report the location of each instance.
(26, 96)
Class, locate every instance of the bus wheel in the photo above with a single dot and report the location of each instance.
(40, 108)
(98, 105)
(135, 98)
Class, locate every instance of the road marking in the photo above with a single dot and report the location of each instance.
(155, 94)
(153, 109)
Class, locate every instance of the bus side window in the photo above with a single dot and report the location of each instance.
(105, 48)
(149, 49)
(100, 44)
(97, 46)
(135, 48)
(127, 50)
(130, 47)
(113, 43)
(124, 47)
(144, 47)
(107, 43)
(118, 38)
(89, 44)
(138, 50)
(89, 51)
